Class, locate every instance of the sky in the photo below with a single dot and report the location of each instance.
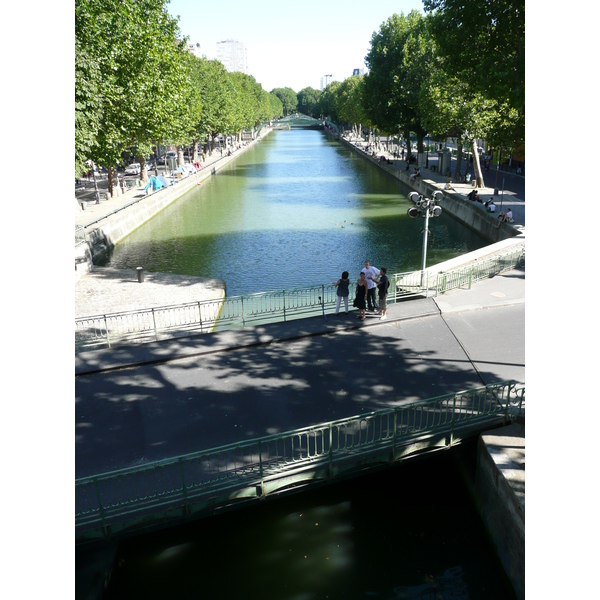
(290, 44)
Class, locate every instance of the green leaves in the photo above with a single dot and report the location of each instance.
(288, 98)
(137, 86)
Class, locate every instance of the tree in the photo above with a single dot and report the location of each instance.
(308, 100)
(350, 102)
(328, 102)
(288, 98)
(276, 106)
(143, 81)
(88, 106)
(400, 59)
(217, 93)
(484, 44)
(453, 109)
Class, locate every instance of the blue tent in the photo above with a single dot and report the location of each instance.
(155, 183)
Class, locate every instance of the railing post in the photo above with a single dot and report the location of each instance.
(186, 508)
(330, 451)
(106, 327)
(452, 422)
(100, 509)
(395, 434)
(200, 315)
(284, 315)
(260, 469)
(243, 314)
(154, 324)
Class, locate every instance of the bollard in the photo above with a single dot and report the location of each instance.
(140, 274)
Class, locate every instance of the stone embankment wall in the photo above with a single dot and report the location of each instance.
(106, 233)
(500, 494)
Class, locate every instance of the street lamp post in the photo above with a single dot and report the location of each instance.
(425, 207)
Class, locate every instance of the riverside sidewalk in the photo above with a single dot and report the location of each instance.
(503, 200)
(94, 211)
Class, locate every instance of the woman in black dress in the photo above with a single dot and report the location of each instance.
(360, 301)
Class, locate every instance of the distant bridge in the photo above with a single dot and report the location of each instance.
(299, 121)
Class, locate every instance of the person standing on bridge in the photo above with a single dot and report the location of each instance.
(382, 286)
(343, 285)
(360, 300)
(371, 274)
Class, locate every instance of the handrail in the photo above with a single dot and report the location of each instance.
(255, 467)
(206, 316)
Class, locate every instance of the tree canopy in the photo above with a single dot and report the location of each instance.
(288, 98)
(484, 44)
(136, 85)
(400, 60)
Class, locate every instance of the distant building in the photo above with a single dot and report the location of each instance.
(325, 81)
(357, 72)
(191, 48)
(194, 49)
(232, 53)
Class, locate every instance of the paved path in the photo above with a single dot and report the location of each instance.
(85, 191)
(184, 395)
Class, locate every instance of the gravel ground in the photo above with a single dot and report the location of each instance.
(105, 290)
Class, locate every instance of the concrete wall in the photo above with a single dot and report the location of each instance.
(500, 493)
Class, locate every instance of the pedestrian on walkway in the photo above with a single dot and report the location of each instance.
(505, 217)
(360, 300)
(343, 286)
(382, 287)
(371, 274)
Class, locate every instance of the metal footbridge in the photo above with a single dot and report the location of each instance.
(173, 490)
(299, 121)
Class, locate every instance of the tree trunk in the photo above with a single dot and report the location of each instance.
(406, 136)
(458, 157)
(477, 164)
(143, 170)
(113, 182)
(420, 160)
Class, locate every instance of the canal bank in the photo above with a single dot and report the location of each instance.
(455, 201)
(109, 221)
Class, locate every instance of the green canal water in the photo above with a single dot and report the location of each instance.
(408, 532)
(295, 210)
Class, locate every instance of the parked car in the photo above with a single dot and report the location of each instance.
(133, 169)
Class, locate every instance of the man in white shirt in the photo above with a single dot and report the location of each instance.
(371, 274)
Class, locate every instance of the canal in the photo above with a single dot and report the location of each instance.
(408, 532)
(295, 210)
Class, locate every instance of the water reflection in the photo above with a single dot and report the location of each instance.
(295, 210)
(410, 532)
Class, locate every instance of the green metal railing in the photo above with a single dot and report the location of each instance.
(279, 305)
(178, 487)
(464, 277)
